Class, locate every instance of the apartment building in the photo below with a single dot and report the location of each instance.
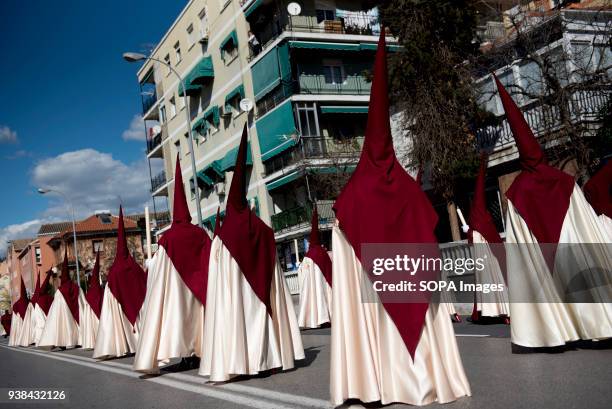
(23, 258)
(305, 70)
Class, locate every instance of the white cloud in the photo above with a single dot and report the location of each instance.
(136, 131)
(7, 135)
(17, 231)
(93, 181)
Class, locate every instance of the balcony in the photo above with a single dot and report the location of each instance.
(300, 216)
(337, 152)
(153, 142)
(158, 181)
(584, 107)
(270, 21)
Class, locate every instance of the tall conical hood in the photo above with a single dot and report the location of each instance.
(380, 148)
(21, 305)
(237, 193)
(381, 203)
(122, 247)
(94, 289)
(480, 218)
(598, 190)
(530, 152)
(45, 299)
(217, 222)
(23, 293)
(65, 277)
(314, 239)
(36, 289)
(180, 212)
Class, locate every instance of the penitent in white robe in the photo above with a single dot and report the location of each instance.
(172, 318)
(88, 328)
(39, 319)
(26, 337)
(240, 337)
(116, 334)
(315, 295)
(61, 329)
(16, 324)
(552, 324)
(369, 359)
(494, 303)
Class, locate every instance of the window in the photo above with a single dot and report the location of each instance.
(191, 35)
(203, 24)
(97, 246)
(177, 146)
(167, 61)
(333, 72)
(308, 122)
(323, 15)
(192, 188)
(172, 107)
(162, 114)
(177, 52)
(37, 254)
(229, 47)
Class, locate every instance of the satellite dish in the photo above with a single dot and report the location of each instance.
(246, 105)
(294, 8)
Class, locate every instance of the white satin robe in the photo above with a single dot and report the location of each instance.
(16, 324)
(61, 329)
(315, 296)
(495, 303)
(369, 360)
(555, 323)
(88, 328)
(39, 319)
(240, 337)
(26, 337)
(116, 334)
(172, 318)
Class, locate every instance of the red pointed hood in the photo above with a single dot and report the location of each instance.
(180, 210)
(45, 299)
(381, 203)
(5, 320)
(21, 305)
(248, 239)
(186, 244)
(480, 219)
(34, 299)
(598, 190)
(126, 279)
(217, 222)
(316, 252)
(95, 294)
(540, 193)
(69, 289)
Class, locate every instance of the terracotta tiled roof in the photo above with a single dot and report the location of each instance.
(53, 228)
(98, 223)
(20, 244)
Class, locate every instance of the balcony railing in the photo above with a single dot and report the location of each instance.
(158, 181)
(341, 152)
(301, 215)
(313, 21)
(351, 79)
(584, 106)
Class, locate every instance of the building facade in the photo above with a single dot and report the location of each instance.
(306, 74)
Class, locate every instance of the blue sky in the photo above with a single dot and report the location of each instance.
(66, 100)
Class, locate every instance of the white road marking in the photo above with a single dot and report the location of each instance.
(271, 399)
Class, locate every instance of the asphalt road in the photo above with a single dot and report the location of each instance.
(579, 378)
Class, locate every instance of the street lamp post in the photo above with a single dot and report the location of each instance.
(43, 191)
(134, 57)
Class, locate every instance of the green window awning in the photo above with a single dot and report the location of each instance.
(374, 46)
(276, 131)
(324, 45)
(191, 89)
(249, 10)
(214, 170)
(204, 178)
(283, 180)
(238, 91)
(268, 72)
(199, 126)
(232, 38)
(339, 109)
(202, 72)
(212, 115)
(229, 160)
